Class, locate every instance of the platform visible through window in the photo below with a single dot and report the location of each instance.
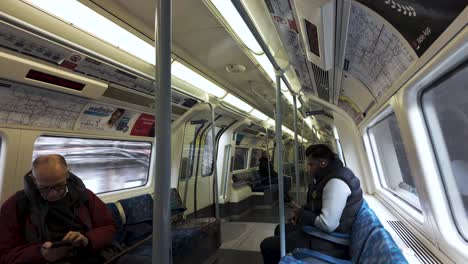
(103, 165)
(207, 156)
(240, 159)
(190, 149)
(445, 106)
(392, 161)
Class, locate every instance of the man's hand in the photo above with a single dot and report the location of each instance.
(294, 205)
(78, 239)
(53, 254)
(295, 216)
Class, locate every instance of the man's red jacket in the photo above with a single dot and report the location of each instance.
(14, 248)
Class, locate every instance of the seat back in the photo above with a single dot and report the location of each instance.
(365, 222)
(139, 218)
(177, 206)
(380, 248)
(118, 221)
(138, 209)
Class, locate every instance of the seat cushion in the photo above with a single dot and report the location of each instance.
(380, 248)
(366, 221)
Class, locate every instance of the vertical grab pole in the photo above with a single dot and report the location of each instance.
(215, 165)
(162, 174)
(304, 166)
(268, 156)
(279, 159)
(296, 157)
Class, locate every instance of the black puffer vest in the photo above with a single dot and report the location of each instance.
(336, 170)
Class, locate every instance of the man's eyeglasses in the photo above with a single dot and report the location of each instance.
(61, 189)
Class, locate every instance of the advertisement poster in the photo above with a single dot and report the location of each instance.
(98, 117)
(420, 22)
(144, 126)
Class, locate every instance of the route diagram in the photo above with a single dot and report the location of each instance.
(26, 43)
(111, 74)
(31, 106)
(376, 55)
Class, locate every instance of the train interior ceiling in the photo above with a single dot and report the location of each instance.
(383, 83)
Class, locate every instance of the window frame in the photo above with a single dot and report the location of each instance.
(378, 162)
(149, 180)
(234, 159)
(450, 241)
(192, 151)
(441, 153)
(385, 111)
(216, 141)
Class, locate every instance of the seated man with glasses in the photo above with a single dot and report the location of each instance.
(55, 219)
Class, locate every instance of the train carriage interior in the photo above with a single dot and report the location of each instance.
(250, 85)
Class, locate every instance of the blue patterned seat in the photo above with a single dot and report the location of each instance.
(291, 260)
(380, 248)
(139, 218)
(188, 237)
(138, 209)
(366, 221)
(370, 243)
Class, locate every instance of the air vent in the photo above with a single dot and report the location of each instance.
(128, 97)
(421, 251)
(183, 100)
(257, 128)
(177, 110)
(250, 131)
(321, 81)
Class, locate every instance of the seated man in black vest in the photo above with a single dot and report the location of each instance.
(56, 219)
(333, 200)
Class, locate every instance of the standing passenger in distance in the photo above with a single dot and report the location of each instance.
(55, 206)
(263, 166)
(333, 201)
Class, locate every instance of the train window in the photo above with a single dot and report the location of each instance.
(445, 106)
(255, 157)
(207, 156)
(240, 159)
(392, 161)
(189, 149)
(103, 165)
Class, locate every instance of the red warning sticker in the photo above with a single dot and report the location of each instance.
(68, 65)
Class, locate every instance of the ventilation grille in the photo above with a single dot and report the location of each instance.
(183, 100)
(421, 251)
(128, 97)
(250, 131)
(257, 128)
(177, 110)
(321, 82)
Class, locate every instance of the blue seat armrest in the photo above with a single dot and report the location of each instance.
(335, 237)
(312, 256)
